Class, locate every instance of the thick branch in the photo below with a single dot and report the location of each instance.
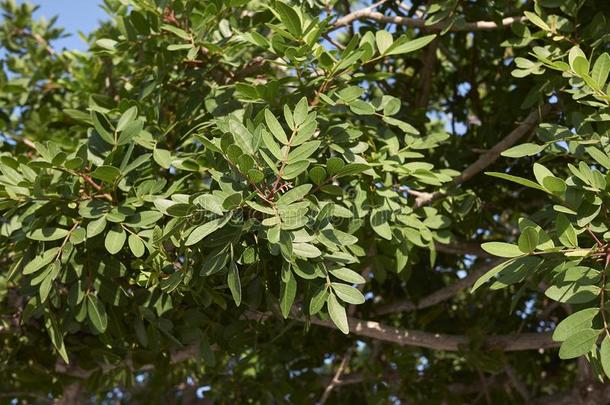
(434, 341)
(371, 329)
(369, 14)
(440, 295)
(489, 157)
(427, 74)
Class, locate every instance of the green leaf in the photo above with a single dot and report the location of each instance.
(604, 355)
(136, 245)
(288, 291)
(502, 249)
(96, 313)
(96, 227)
(115, 239)
(215, 261)
(234, 283)
(78, 236)
(103, 127)
(528, 240)
(306, 250)
(347, 293)
(544, 241)
(303, 151)
(300, 111)
(163, 157)
(348, 275)
(515, 179)
(578, 61)
(580, 66)
(56, 335)
(600, 70)
(379, 222)
(352, 169)
(177, 31)
(338, 237)
(599, 156)
(48, 234)
(384, 40)
(574, 323)
(290, 18)
(489, 275)
(204, 230)
(554, 184)
(525, 149)
(172, 282)
(337, 313)
(305, 132)
(40, 261)
(575, 286)
(515, 271)
(333, 165)
(578, 344)
(144, 218)
(361, 107)
(318, 299)
(128, 116)
(107, 174)
(275, 127)
(404, 126)
(232, 201)
(391, 105)
(565, 231)
(271, 145)
(296, 194)
(317, 175)
(49, 276)
(241, 134)
(285, 243)
(106, 43)
(292, 170)
(350, 93)
(405, 45)
(535, 19)
(541, 172)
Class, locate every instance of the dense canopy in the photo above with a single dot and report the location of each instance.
(301, 201)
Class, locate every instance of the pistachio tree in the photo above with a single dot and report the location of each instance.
(306, 201)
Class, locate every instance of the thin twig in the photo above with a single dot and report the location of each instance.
(337, 377)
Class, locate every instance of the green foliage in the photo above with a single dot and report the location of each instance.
(576, 264)
(210, 177)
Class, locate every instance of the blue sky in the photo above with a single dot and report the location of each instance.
(74, 16)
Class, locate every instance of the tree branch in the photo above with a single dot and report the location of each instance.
(491, 155)
(427, 73)
(416, 338)
(368, 14)
(440, 295)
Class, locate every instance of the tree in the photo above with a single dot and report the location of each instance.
(274, 201)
